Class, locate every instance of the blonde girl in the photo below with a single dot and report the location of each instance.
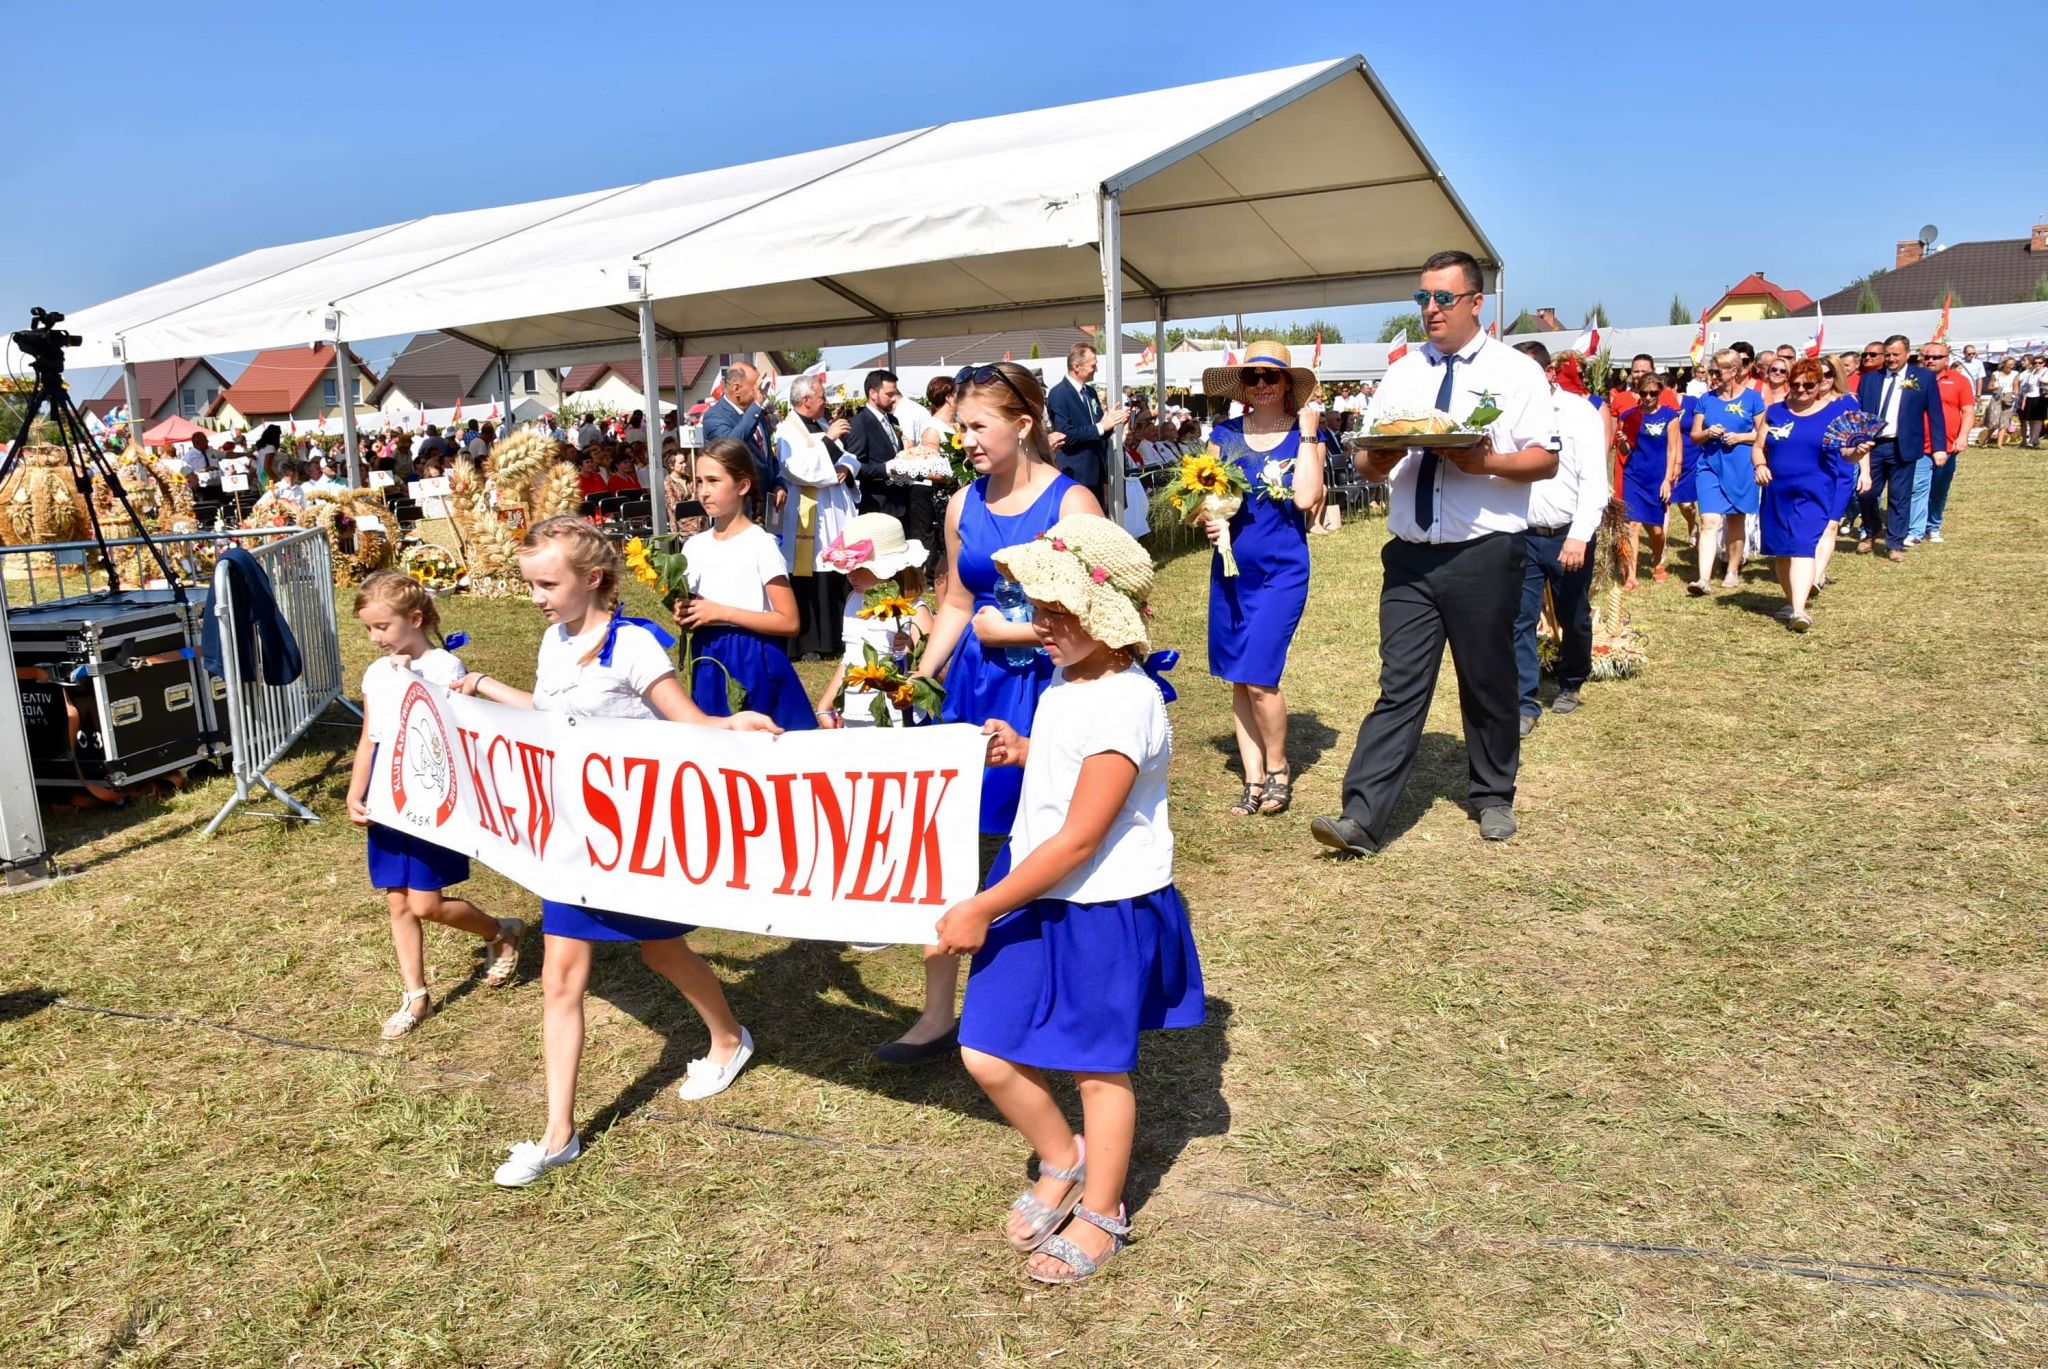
(597, 663)
(402, 622)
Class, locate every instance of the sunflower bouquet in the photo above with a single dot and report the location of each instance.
(896, 691)
(1210, 490)
(661, 566)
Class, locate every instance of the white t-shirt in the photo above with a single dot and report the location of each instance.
(384, 686)
(564, 683)
(735, 572)
(858, 632)
(1123, 713)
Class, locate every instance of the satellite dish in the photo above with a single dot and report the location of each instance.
(1928, 233)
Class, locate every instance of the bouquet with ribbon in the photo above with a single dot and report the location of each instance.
(892, 681)
(1211, 490)
(1848, 432)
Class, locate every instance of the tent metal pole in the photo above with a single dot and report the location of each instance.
(650, 391)
(504, 395)
(892, 344)
(131, 394)
(1500, 298)
(1159, 359)
(344, 389)
(1112, 351)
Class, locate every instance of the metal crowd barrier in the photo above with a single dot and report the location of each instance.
(265, 721)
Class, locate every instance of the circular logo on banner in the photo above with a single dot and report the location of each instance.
(422, 762)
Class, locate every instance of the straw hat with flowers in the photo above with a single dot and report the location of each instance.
(1226, 382)
(1093, 569)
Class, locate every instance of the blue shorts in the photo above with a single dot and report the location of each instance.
(400, 860)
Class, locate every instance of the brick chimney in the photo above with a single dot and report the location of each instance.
(1910, 251)
(2040, 239)
(1547, 316)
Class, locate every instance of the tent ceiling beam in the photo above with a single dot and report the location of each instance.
(1272, 197)
(854, 299)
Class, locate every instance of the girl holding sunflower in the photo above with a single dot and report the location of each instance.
(872, 551)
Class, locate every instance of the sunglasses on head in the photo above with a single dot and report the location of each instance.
(982, 375)
(1444, 298)
(1250, 378)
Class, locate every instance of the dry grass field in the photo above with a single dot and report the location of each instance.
(1736, 1056)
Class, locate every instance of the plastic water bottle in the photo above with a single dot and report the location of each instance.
(1017, 609)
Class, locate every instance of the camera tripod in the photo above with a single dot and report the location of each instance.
(44, 343)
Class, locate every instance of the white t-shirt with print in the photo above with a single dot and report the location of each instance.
(736, 571)
(564, 683)
(1123, 713)
(385, 680)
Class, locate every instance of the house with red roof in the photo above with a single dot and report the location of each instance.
(291, 384)
(186, 388)
(1753, 297)
(616, 386)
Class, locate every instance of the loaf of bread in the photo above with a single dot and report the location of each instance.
(1412, 424)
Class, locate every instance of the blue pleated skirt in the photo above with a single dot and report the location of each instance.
(400, 860)
(596, 924)
(761, 668)
(1068, 986)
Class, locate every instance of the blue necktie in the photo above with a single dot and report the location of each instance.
(1425, 481)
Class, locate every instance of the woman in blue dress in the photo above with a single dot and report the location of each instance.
(1253, 614)
(1650, 474)
(1801, 482)
(1850, 477)
(1727, 423)
(990, 660)
(1685, 494)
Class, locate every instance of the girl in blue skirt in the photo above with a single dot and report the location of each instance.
(597, 663)
(741, 602)
(1080, 940)
(404, 624)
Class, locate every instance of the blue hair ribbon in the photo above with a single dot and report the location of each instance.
(611, 634)
(455, 641)
(1156, 665)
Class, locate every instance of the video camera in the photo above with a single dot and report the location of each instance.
(43, 341)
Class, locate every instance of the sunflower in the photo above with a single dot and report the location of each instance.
(635, 554)
(902, 695)
(893, 607)
(867, 676)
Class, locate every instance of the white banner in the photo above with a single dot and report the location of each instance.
(867, 834)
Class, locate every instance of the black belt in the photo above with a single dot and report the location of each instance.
(1560, 530)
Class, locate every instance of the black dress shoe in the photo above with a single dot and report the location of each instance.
(1528, 723)
(1497, 824)
(1343, 834)
(907, 1053)
(1567, 701)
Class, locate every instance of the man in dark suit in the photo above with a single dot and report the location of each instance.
(876, 437)
(746, 413)
(1907, 400)
(1073, 411)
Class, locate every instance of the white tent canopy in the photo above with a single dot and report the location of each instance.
(1297, 188)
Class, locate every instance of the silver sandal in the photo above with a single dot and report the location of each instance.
(505, 964)
(1076, 1259)
(402, 1021)
(1046, 1218)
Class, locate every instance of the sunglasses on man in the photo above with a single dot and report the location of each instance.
(1444, 298)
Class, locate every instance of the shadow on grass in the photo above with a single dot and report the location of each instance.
(19, 1003)
(1760, 602)
(1309, 739)
(1441, 771)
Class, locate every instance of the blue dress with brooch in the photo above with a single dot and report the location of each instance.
(1253, 614)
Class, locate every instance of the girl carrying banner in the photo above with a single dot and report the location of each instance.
(740, 597)
(404, 624)
(596, 662)
(1080, 941)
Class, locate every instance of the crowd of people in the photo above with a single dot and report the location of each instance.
(1034, 610)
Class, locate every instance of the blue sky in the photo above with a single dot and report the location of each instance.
(1610, 154)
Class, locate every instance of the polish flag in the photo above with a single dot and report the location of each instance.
(1230, 358)
(292, 426)
(717, 390)
(1587, 344)
(1007, 357)
(818, 370)
(1941, 329)
(1820, 334)
(1399, 349)
(494, 413)
(1493, 328)
(423, 419)
(1317, 360)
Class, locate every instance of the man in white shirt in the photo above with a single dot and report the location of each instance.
(588, 434)
(1972, 366)
(1564, 520)
(1454, 562)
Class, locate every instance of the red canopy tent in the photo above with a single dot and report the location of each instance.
(172, 429)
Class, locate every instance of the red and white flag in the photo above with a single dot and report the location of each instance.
(1493, 328)
(818, 370)
(717, 390)
(423, 419)
(292, 426)
(1819, 339)
(1587, 344)
(1699, 344)
(494, 411)
(1399, 349)
(1316, 361)
(1941, 329)
(1229, 358)
(1007, 357)
(456, 417)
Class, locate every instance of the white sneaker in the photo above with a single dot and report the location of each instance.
(528, 1162)
(1911, 542)
(1934, 536)
(871, 945)
(706, 1077)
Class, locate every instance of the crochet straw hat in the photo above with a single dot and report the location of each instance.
(874, 542)
(1091, 568)
(1222, 381)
